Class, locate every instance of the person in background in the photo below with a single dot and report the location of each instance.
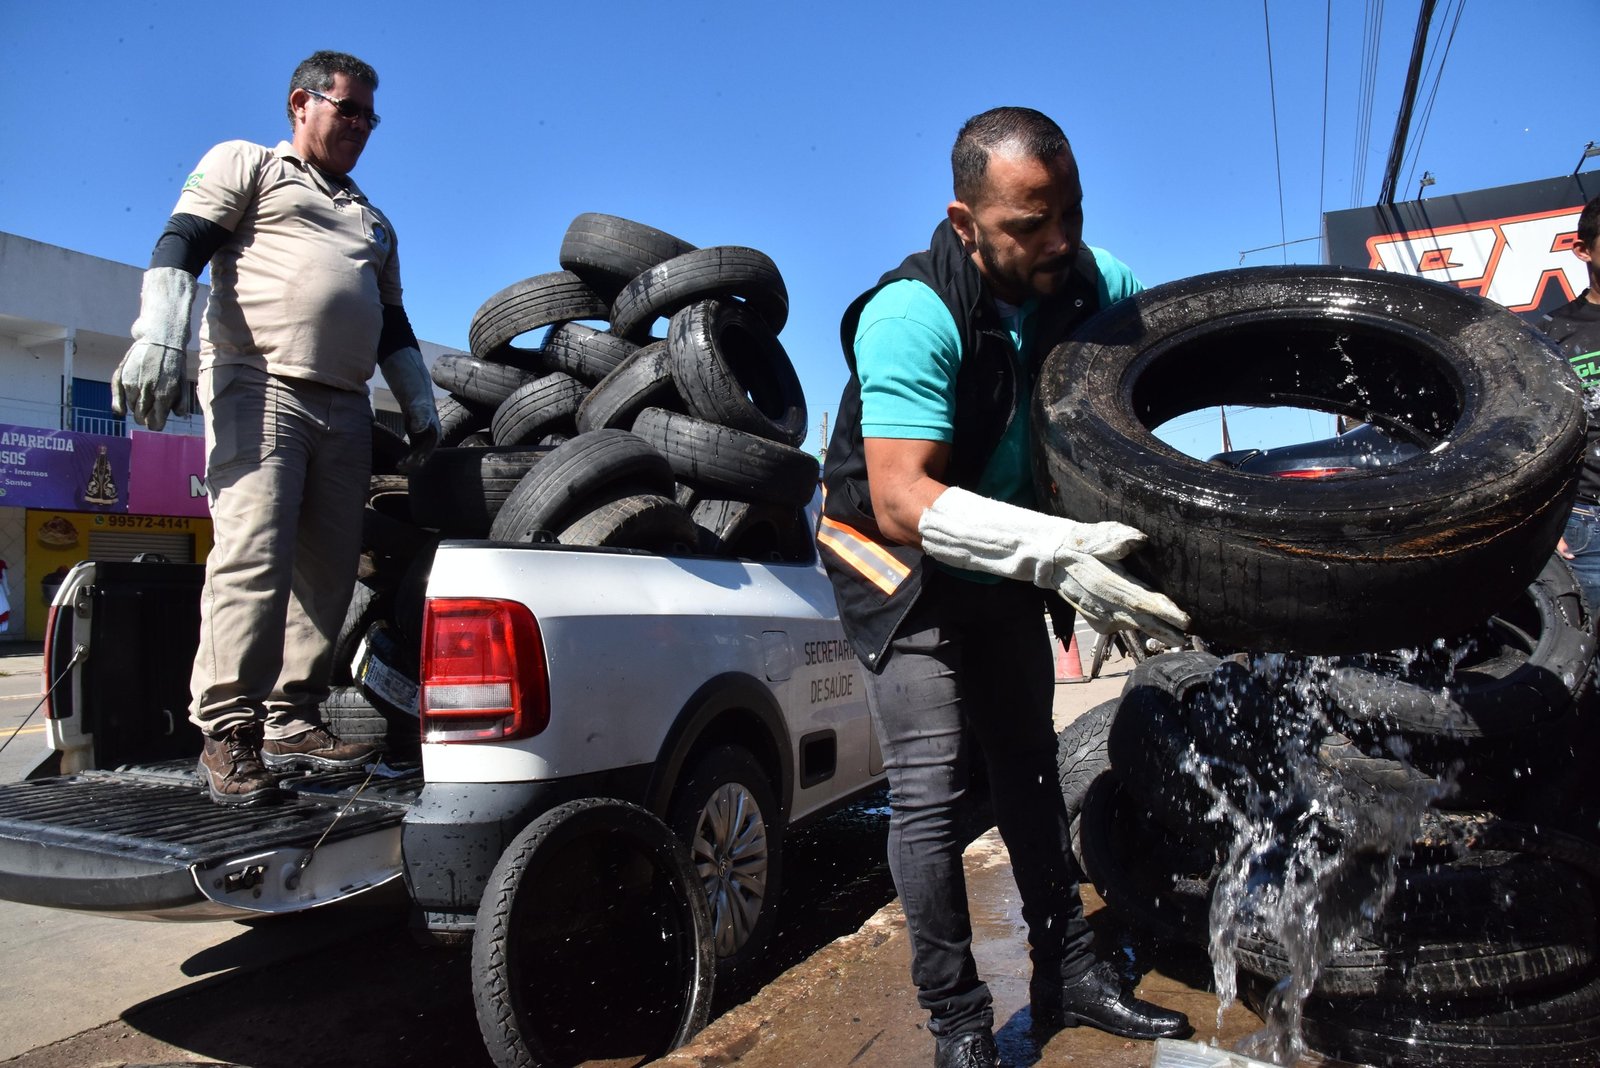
(943, 569)
(305, 302)
(1575, 327)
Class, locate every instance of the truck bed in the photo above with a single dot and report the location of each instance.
(145, 840)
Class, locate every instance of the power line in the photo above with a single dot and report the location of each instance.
(1372, 37)
(1438, 76)
(1322, 166)
(1277, 155)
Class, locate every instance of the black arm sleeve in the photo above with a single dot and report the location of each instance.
(397, 333)
(188, 243)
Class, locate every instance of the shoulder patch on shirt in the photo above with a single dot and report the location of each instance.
(193, 181)
(380, 234)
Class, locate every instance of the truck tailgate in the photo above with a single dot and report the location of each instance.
(145, 841)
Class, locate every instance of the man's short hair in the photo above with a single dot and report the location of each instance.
(317, 71)
(1020, 129)
(1589, 223)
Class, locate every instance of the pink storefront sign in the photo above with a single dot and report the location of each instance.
(167, 475)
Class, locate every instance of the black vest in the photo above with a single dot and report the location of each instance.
(875, 580)
(1576, 328)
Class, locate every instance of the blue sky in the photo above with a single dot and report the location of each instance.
(817, 133)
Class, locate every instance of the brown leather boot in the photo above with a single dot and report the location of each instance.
(231, 769)
(317, 749)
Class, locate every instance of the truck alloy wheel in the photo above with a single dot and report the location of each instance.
(593, 941)
(1373, 559)
(726, 812)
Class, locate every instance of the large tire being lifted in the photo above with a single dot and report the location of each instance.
(592, 941)
(1374, 559)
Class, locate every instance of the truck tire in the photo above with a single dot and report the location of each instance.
(459, 491)
(576, 478)
(643, 380)
(727, 814)
(1260, 562)
(593, 940)
(608, 252)
(645, 521)
(585, 353)
(555, 297)
(731, 369)
(723, 272)
(728, 462)
(542, 406)
(478, 381)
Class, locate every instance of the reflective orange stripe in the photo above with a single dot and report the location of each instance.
(864, 555)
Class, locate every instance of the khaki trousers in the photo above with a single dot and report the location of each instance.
(288, 464)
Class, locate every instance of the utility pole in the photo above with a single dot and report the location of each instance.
(1402, 125)
(822, 453)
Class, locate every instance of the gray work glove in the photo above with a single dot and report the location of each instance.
(152, 378)
(965, 530)
(408, 379)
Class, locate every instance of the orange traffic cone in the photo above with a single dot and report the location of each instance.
(1069, 666)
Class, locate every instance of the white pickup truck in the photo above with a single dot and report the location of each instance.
(716, 694)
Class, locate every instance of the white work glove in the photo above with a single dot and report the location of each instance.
(152, 378)
(965, 530)
(408, 379)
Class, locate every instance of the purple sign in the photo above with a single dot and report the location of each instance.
(63, 470)
(168, 475)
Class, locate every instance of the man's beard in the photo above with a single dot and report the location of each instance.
(1016, 283)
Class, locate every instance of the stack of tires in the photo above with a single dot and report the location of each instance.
(658, 412)
(1485, 952)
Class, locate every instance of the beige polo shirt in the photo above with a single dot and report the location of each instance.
(298, 290)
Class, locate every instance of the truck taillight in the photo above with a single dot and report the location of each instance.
(483, 673)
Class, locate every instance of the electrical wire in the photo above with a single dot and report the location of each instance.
(1372, 33)
(1427, 110)
(1322, 165)
(1277, 155)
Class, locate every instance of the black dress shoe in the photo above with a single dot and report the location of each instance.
(1097, 998)
(969, 1049)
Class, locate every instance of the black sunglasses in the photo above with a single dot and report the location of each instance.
(348, 110)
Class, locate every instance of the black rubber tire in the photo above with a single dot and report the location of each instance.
(1261, 562)
(476, 380)
(731, 369)
(608, 252)
(1547, 1028)
(368, 604)
(351, 715)
(585, 353)
(643, 380)
(736, 845)
(1521, 670)
(1505, 922)
(458, 492)
(645, 521)
(556, 297)
(579, 895)
(755, 531)
(1083, 753)
(388, 449)
(545, 405)
(389, 538)
(576, 478)
(727, 462)
(410, 596)
(459, 417)
(389, 495)
(723, 272)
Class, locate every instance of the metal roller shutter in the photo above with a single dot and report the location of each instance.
(126, 544)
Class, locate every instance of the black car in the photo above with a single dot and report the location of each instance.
(1365, 446)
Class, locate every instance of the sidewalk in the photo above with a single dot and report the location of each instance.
(852, 1002)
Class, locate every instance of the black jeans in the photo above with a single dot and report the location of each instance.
(974, 656)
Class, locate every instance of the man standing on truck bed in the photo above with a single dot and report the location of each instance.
(928, 513)
(305, 302)
(1575, 326)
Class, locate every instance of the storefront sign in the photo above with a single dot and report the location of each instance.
(168, 475)
(61, 469)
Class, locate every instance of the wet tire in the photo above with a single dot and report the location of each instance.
(728, 462)
(731, 369)
(556, 297)
(1083, 755)
(727, 814)
(460, 491)
(478, 381)
(643, 380)
(754, 531)
(576, 478)
(601, 894)
(585, 353)
(726, 272)
(368, 604)
(1261, 562)
(543, 406)
(642, 521)
(1493, 921)
(351, 715)
(608, 252)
